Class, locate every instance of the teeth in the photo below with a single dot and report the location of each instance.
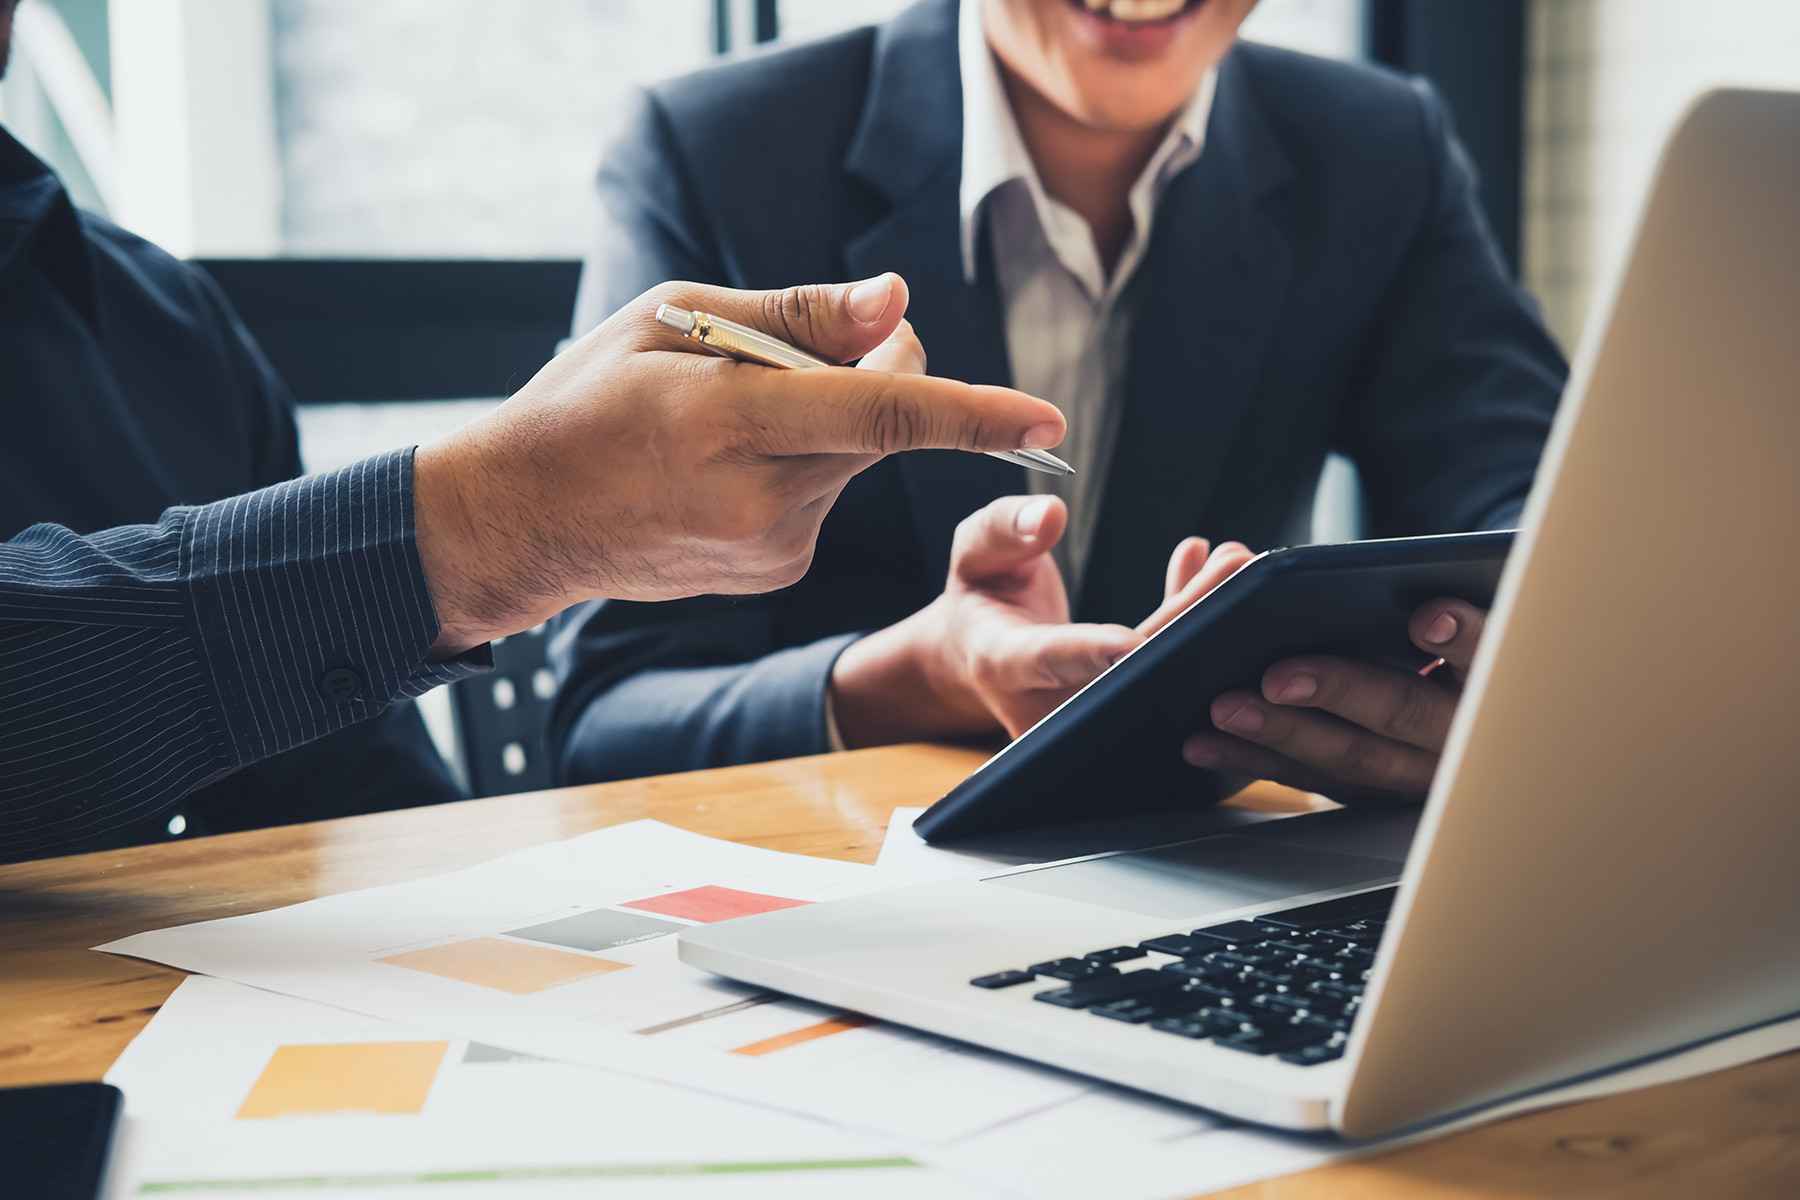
(1137, 10)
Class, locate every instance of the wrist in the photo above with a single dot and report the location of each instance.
(469, 570)
(897, 685)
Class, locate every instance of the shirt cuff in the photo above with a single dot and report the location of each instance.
(310, 602)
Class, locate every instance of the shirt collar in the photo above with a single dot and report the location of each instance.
(994, 152)
(37, 217)
(28, 188)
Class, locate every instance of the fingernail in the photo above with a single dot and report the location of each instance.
(1299, 688)
(1041, 437)
(1200, 754)
(869, 299)
(1246, 719)
(1441, 630)
(1030, 519)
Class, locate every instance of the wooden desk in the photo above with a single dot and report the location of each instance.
(65, 1012)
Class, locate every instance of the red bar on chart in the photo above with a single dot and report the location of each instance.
(712, 903)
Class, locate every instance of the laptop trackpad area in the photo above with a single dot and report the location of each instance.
(1194, 878)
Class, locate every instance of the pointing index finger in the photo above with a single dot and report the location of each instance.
(846, 411)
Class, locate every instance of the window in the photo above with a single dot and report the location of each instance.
(458, 127)
(1606, 81)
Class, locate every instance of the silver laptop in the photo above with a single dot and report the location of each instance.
(1608, 866)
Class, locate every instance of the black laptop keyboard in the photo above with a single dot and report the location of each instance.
(1287, 984)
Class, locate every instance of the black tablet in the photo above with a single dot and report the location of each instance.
(57, 1140)
(1114, 750)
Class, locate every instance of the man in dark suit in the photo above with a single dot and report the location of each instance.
(1222, 260)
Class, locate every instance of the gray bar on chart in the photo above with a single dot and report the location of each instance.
(601, 929)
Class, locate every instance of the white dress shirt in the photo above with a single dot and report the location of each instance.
(1067, 322)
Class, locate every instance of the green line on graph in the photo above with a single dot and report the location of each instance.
(307, 1183)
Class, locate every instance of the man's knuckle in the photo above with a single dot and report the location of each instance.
(784, 313)
(886, 422)
(1364, 759)
(1405, 711)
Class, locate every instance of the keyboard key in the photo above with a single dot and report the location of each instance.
(1130, 1010)
(1206, 993)
(1307, 948)
(1334, 940)
(1239, 961)
(1117, 954)
(1325, 1006)
(1273, 981)
(1363, 906)
(1341, 990)
(1071, 969)
(1089, 992)
(1181, 945)
(1206, 1023)
(1285, 1006)
(1197, 968)
(1272, 1041)
(1312, 1056)
(1003, 979)
(1235, 933)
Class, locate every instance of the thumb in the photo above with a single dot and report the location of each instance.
(836, 321)
(1006, 534)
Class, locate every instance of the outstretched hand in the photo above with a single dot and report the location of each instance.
(633, 466)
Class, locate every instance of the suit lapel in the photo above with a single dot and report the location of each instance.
(908, 148)
(1214, 277)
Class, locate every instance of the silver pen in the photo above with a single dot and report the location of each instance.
(751, 345)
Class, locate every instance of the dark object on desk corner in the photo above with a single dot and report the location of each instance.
(56, 1141)
(1114, 749)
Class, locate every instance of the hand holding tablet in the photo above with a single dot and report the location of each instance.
(1356, 620)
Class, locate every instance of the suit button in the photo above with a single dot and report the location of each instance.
(341, 685)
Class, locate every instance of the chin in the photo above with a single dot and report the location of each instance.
(1130, 64)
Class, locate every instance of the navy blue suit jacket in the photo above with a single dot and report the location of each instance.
(1320, 279)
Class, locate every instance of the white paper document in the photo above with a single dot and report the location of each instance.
(567, 951)
(233, 1090)
(909, 858)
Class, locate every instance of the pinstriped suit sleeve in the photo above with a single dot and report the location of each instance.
(139, 663)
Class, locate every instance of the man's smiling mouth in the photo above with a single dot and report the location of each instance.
(1136, 12)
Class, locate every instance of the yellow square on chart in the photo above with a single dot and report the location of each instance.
(505, 966)
(346, 1077)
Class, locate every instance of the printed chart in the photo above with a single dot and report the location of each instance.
(568, 951)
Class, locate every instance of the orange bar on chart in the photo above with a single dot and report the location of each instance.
(514, 967)
(712, 903)
(345, 1077)
(799, 1037)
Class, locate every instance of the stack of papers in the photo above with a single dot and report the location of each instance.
(524, 1028)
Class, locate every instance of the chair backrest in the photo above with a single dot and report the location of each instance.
(383, 331)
